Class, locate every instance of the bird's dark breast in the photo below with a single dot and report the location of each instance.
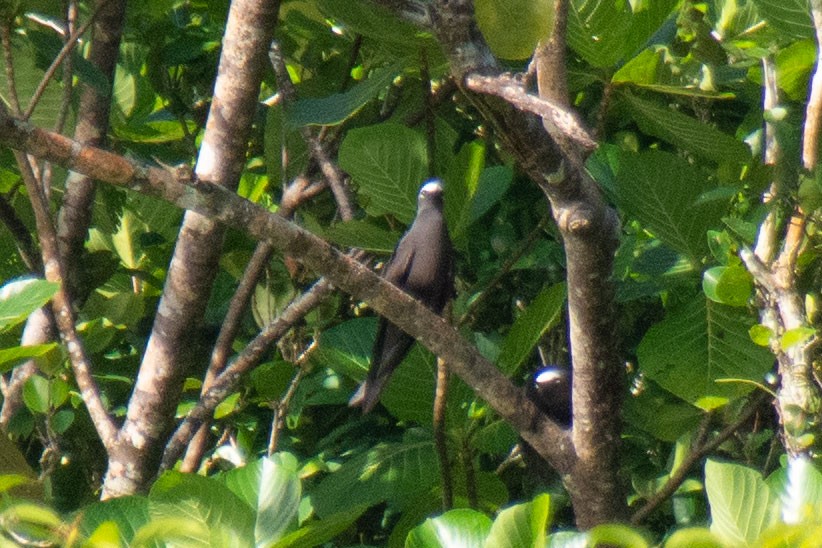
(428, 279)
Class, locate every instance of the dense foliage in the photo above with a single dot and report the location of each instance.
(701, 114)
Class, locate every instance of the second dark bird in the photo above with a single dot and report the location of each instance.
(423, 266)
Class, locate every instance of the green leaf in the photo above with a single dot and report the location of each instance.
(604, 32)
(388, 163)
(270, 486)
(761, 335)
(697, 345)
(128, 513)
(336, 109)
(394, 472)
(227, 406)
(378, 23)
(363, 234)
(795, 336)
(742, 505)
(174, 531)
(38, 524)
(207, 505)
(531, 18)
(540, 316)
(19, 298)
(317, 533)
(10, 357)
(461, 185)
(686, 132)
(731, 285)
(616, 535)
(36, 394)
(787, 17)
(660, 414)
(493, 183)
(665, 205)
(462, 528)
(522, 524)
(346, 347)
(693, 537)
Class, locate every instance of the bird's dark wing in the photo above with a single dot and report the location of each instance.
(391, 343)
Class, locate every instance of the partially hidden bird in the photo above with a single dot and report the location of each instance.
(423, 266)
(550, 389)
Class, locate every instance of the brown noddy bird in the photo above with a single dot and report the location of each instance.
(423, 266)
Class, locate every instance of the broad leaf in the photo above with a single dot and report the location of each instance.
(742, 505)
(686, 132)
(522, 524)
(205, 503)
(604, 32)
(791, 17)
(128, 513)
(665, 205)
(388, 164)
(19, 298)
(540, 316)
(698, 345)
(336, 109)
(270, 486)
(395, 472)
(463, 528)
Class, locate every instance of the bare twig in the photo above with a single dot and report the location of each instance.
(247, 359)
(63, 311)
(440, 440)
(697, 453)
(503, 271)
(67, 48)
(285, 401)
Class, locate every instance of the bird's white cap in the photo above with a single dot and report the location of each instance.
(434, 185)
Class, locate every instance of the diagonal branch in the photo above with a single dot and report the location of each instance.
(224, 206)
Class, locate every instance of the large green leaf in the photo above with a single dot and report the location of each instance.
(395, 472)
(337, 108)
(270, 486)
(540, 316)
(318, 532)
(604, 32)
(698, 345)
(461, 185)
(668, 205)
(463, 528)
(129, 513)
(531, 18)
(686, 132)
(789, 17)
(205, 503)
(376, 22)
(363, 234)
(9, 357)
(19, 298)
(388, 163)
(742, 505)
(522, 524)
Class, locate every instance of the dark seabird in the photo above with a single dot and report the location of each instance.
(423, 266)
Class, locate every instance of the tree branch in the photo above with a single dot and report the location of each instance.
(224, 206)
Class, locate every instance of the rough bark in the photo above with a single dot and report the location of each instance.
(193, 267)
